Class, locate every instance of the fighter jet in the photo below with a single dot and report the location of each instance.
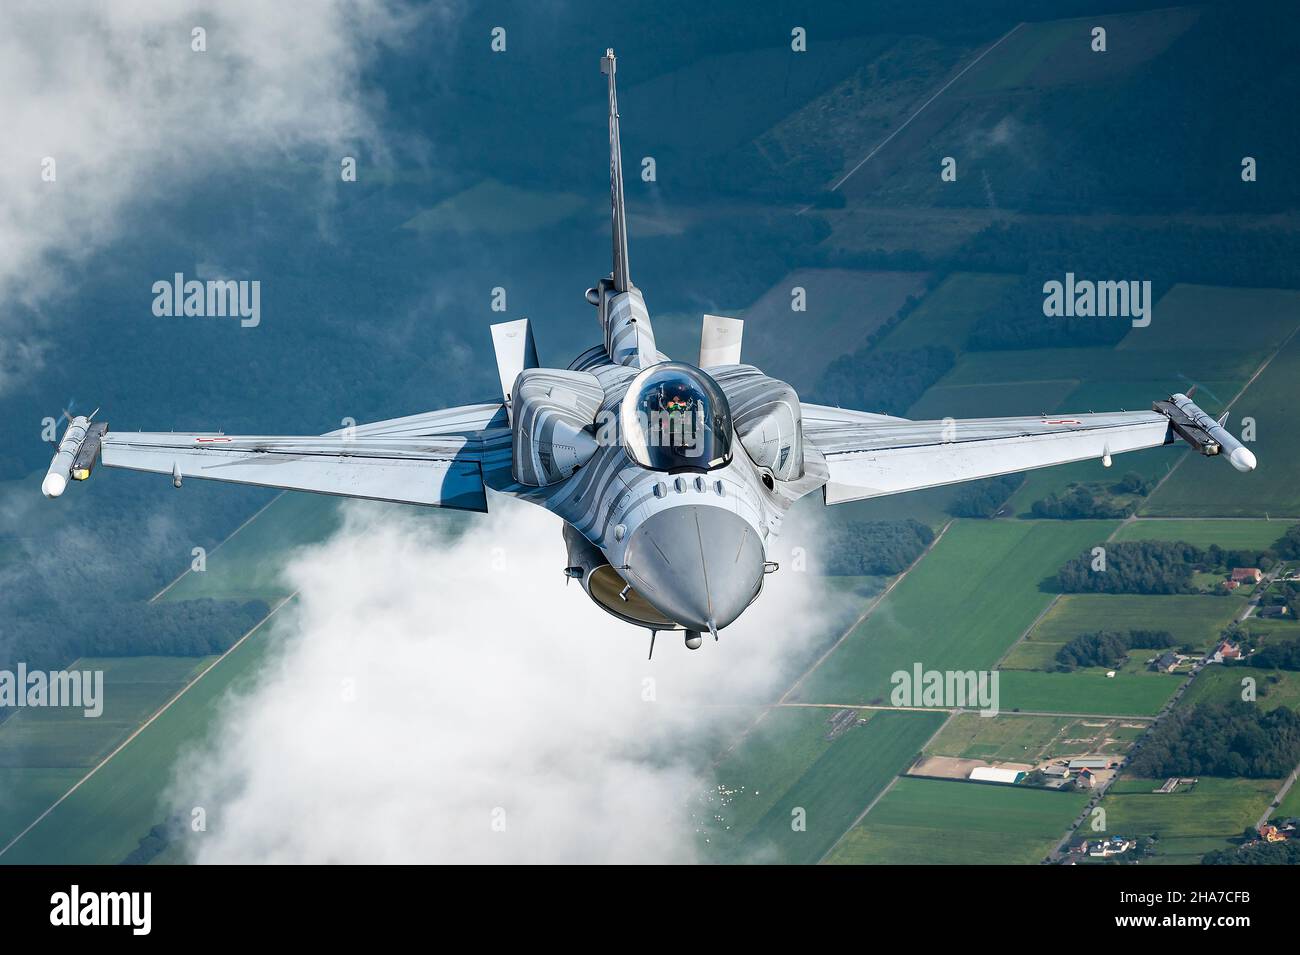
(672, 478)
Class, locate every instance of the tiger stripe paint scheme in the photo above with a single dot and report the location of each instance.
(683, 546)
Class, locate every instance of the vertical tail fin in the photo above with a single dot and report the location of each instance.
(618, 213)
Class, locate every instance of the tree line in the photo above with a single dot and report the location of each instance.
(1109, 648)
(1234, 739)
(875, 548)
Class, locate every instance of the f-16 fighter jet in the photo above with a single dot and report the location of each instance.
(671, 478)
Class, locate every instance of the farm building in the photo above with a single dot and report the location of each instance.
(1090, 762)
(1227, 651)
(1167, 662)
(991, 774)
(1247, 575)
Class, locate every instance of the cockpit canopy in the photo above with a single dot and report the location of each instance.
(674, 417)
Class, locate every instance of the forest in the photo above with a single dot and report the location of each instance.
(883, 382)
(1235, 739)
(1109, 648)
(1134, 567)
(875, 548)
(984, 498)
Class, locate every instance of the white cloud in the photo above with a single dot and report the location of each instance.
(480, 681)
(114, 94)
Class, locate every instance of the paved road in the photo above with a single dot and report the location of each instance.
(1260, 589)
(966, 709)
(1277, 800)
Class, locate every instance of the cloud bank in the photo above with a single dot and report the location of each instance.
(112, 102)
(450, 700)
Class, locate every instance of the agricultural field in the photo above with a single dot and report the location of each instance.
(930, 507)
(1087, 691)
(970, 598)
(1152, 464)
(477, 210)
(1218, 684)
(1148, 364)
(44, 749)
(1188, 822)
(786, 762)
(105, 818)
(1263, 319)
(759, 101)
(957, 823)
(1058, 52)
(25, 793)
(1192, 619)
(948, 312)
(1290, 806)
(843, 308)
(994, 400)
(246, 566)
(1271, 489)
(1010, 737)
(1228, 534)
(1121, 369)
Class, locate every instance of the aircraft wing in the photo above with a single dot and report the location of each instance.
(874, 455)
(433, 459)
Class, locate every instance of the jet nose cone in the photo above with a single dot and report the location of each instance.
(700, 565)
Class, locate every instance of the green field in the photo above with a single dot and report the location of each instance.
(843, 308)
(947, 314)
(1101, 365)
(104, 820)
(477, 210)
(1187, 822)
(1058, 52)
(1273, 688)
(786, 763)
(1148, 364)
(26, 793)
(937, 822)
(930, 507)
(1290, 806)
(1228, 534)
(1215, 489)
(1106, 394)
(1087, 691)
(1191, 618)
(1260, 320)
(57, 737)
(995, 400)
(43, 751)
(1000, 738)
(1009, 737)
(960, 608)
(247, 565)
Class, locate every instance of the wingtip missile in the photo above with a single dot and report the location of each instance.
(1205, 434)
(54, 483)
(75, 457)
